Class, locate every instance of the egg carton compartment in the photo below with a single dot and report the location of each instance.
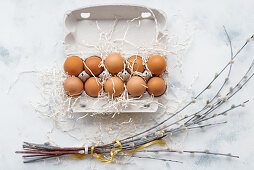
(128, 30)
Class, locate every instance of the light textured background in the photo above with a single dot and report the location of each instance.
(31, 33)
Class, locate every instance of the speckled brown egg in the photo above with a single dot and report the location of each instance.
(156, 86)
(73, 65)
(156, 64)
(73, 86)
(114, 63)
(135, 63)
(136, 86)
(114, 86)
(93, 86)
(94, 65)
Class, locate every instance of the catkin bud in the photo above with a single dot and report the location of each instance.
(209, 105)
(198, 115)
(215, 114)
(219, 99)
(225, 98)
(184, 128)
(230, 89)
(216, 75)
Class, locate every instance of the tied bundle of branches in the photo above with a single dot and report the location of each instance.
(155, 134)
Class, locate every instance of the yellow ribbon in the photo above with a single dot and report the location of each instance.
(98, 156)
(78, 156)
(161, 142)
(92, 148)
(115, 150)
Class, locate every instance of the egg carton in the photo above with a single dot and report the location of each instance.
(127, 29)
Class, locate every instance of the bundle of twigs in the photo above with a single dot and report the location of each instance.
(156, 133)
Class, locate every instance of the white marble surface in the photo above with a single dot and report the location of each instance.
(31, 35)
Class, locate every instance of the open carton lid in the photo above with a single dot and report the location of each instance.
(100, 30)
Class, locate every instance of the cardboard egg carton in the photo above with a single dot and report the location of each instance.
(127, 29)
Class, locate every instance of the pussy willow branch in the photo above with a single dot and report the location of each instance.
(191, 152)
(225, 81)
(42, 158)
(184, 127)
(148, 157)
(207, 125)
(231, 92)
(230, 67)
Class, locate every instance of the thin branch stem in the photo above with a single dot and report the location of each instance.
(191, 152)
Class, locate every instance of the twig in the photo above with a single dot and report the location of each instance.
(191, 152)
(147, 157)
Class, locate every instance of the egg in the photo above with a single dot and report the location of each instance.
(156, 64)
(136, 86)
(114, 63)
(114, 86)
(93, 64)
(156, 86)
(93, 86)
(73, 65)
(135, 63)
(73, 86)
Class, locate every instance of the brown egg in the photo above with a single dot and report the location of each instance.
(156, 64)
(114, 86)
(93, 86)
(114, 63)
(93, 63)
(136, 86)
(135, 63)
(73, 65)
(73, 86)
(156, 86)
